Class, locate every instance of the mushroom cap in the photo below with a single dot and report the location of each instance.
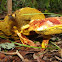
(47, 26)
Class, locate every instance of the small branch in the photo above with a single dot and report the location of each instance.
(20, 56)
(56, 45)
(14, 53)
(61, 53)
(58, 58)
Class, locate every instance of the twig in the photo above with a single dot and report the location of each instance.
(43, 52)
(14, 53)
(56, 45)
(61, 53)
(58, 58)
(20, 56)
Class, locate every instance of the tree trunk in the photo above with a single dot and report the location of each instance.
(9, 6)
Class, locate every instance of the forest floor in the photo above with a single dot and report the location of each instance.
(53, 53)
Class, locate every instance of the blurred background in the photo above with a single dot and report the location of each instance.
(54, 6)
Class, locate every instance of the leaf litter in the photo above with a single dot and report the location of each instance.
(27, 54)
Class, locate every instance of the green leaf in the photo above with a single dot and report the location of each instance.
(3, 5)
(7, 45)
(47, 3)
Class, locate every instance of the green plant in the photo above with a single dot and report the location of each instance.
(3, 5)
(16, 4)
(50, 5)
(7, 46)
(43, 5)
